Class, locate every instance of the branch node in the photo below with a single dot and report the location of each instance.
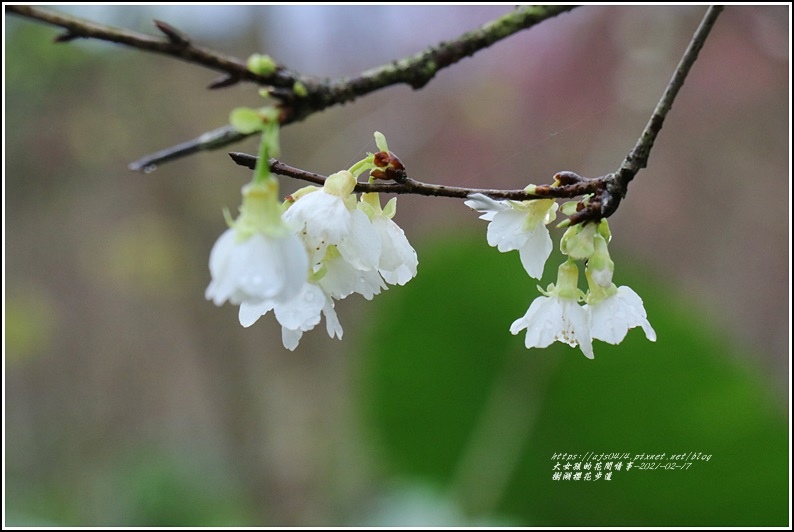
(568, 178)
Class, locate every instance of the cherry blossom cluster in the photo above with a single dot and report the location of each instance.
(321, 245)
(608, 311)
(299, 257)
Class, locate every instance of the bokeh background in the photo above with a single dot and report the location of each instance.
(130, 400)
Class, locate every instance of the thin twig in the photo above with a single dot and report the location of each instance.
(577, 187)
(208, 141)
(606, 201)
(637, 158)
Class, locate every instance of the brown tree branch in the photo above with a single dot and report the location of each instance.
(300, 96)
(637, 159)
(572, 184)
(173, 43)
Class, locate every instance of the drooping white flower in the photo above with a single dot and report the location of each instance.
(296, 316)
(328, 217)
(291, 337)
(259, 258)
(557, 316)
(338, 278)
(519, 225)
(398, 260)
(600, 265)
(615, 310)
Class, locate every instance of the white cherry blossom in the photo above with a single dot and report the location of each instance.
(519, 225)
(296, 316)
(258, 258)
(328, 217)
(398, 261)
(557, 316)
(614, 311)
(555, 319)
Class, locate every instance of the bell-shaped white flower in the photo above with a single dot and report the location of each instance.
(290, 337)
(615, 310)
(259, 258)
(398, 261)
(519, 225)
(296, 316)
(328, 217)
(338, 278)
(557, 316)
(600, 265)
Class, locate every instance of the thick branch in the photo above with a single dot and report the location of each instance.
(419, 69)
(415, 71)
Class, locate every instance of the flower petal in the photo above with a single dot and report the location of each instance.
(324, 216)
(612, 317)
(507, 232)
(361, 247)
(332, 325)
(303, 311)
(290, 338)
(250, 312)
(535, 251)
(543, 321)
(398, 261)
(489, 207)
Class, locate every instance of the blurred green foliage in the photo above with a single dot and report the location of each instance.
(442, 352)
(143, 487)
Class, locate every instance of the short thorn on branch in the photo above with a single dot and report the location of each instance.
(174, 35)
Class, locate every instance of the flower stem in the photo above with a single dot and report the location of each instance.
(262, 169)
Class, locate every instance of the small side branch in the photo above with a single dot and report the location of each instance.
(638, 156)
(210, 140)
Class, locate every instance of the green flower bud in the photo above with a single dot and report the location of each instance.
(261, 64)
(340, 184)
(300, 89)
(577, 242)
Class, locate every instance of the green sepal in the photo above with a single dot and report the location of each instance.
(380, 142)
(569, 208)
(246, 120)
(391, 208)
